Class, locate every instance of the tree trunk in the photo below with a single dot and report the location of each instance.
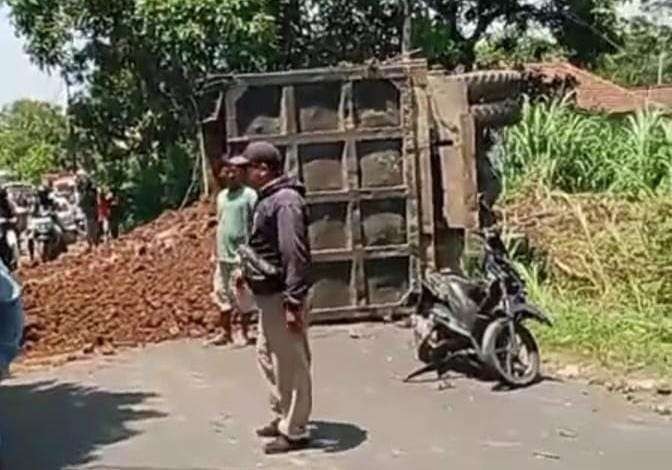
(290, 27)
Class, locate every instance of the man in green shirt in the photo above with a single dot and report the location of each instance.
(235, 206)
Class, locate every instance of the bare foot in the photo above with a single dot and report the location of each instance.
(221, 339)
(241, 341)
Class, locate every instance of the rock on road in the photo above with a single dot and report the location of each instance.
(179, 406)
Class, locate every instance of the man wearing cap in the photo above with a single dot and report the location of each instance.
(235, 206)
(280, 282)
(87, 199)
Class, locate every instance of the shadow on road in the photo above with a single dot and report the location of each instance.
(470, 370)
(51, 425)
(465, 368)
(334, 437)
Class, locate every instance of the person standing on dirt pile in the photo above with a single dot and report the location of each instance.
(6, 210)
(115, 213)
(235, 205)
(104, 210)
(9, 220)
(87, 198)
(276, 265)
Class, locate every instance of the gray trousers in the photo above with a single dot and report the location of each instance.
(284, 359)
(92, 229)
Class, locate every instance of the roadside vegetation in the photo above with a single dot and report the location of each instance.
(592, 196)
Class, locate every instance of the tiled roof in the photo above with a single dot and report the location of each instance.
(661, 94)
(594, 92)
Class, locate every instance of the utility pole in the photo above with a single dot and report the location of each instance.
(406, 32)
(71, 158)
(661, 67)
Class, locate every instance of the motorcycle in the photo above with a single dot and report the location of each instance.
(45, 238)
(9, 243)
(479, 320)
(73, 223)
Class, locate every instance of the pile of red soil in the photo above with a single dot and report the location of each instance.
(151, 285)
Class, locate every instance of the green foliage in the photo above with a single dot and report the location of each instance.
(510, 50)
(628, 329)
(617, 337)
(657, 6)
(563, 149)
(198, 37)
(135, 65)
(317, 33)
(32, 138)
(638, 62)
(592, 194)
(583, 30)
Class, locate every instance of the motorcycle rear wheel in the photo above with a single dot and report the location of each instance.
(516, 361)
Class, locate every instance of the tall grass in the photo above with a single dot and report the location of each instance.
(560, 148)
(617, 337)
(603, 221)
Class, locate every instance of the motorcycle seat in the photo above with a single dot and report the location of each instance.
(454, 286)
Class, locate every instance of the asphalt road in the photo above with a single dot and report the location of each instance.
(179, 406)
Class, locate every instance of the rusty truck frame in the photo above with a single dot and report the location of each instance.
(388, 153)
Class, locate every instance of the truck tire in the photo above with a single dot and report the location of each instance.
(491, 85)
(495, 115)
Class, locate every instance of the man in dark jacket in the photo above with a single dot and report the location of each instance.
(279, 237)
(87, 196)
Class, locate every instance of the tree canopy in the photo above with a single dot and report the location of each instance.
(134, 65)
(32, 138)
(644, 59)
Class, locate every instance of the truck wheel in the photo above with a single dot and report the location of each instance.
(499, 114)
(491, 85)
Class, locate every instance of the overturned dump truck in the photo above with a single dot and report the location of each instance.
(392, 159)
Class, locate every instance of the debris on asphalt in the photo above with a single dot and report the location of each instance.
(546, 455)
(567, 433)
(445, 385)
(405, 323)
(354, 333)
(569, 372)
(359, 332)
(647, 385)
(662, 410)
(636, 420)
(632, 398)
(502, 444)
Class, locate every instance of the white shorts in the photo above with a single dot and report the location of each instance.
(226, 293)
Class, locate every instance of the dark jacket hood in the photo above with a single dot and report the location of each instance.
(283, 182)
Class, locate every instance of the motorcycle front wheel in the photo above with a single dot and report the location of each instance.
(513, 357)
